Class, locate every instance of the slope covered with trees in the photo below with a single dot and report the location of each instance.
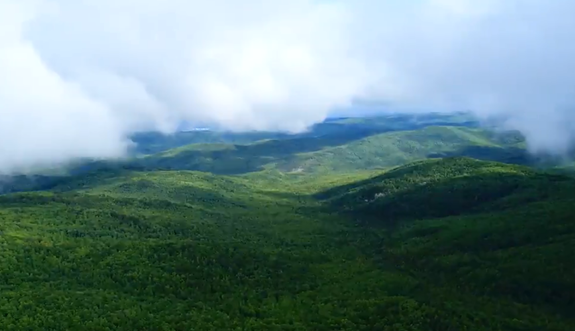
(478, 231)
(387, 223)
(340, 153)
(445, 187)
(337, 128)
(173, 250)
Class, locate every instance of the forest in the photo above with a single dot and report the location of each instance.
(401, 224)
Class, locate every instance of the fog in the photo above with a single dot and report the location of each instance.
(77, 77)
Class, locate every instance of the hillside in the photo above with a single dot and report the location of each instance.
(173, 250)
(446, 187)
(493, 231)
(339, 129)
(344, 145)
(153, 142)
(181, 250)
(169, 251)
(341, 153)
(386, 223)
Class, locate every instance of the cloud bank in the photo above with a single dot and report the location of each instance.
(77, 77)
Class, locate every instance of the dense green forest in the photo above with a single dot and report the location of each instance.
(382, 224)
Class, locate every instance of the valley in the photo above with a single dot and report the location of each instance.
(403, 223)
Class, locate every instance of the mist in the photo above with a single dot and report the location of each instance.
(78, 77)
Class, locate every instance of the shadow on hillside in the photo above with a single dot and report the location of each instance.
(241, 159)
(248, 153)
(342, 189)
(254, 157)
(388, 203)
(13, 184)
(346, 129)
(512, 155)
(248, 158)
(88, 178)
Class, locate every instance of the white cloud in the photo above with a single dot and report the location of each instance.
(511, 58)
(77, 76)
(44, 119)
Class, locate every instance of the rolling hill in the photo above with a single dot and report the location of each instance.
(340, 129)
(446, 187)
(339, 146)
(177, 250)
(340, 154)
(387, 223)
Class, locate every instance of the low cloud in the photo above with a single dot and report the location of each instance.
(77, 77)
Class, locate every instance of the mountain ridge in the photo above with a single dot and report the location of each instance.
(423, 240)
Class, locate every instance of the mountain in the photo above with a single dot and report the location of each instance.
(344, 128)
(446, 187)
(398, 230)
(339, 152)
(326, 147)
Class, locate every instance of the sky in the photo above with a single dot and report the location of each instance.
(77, 77)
